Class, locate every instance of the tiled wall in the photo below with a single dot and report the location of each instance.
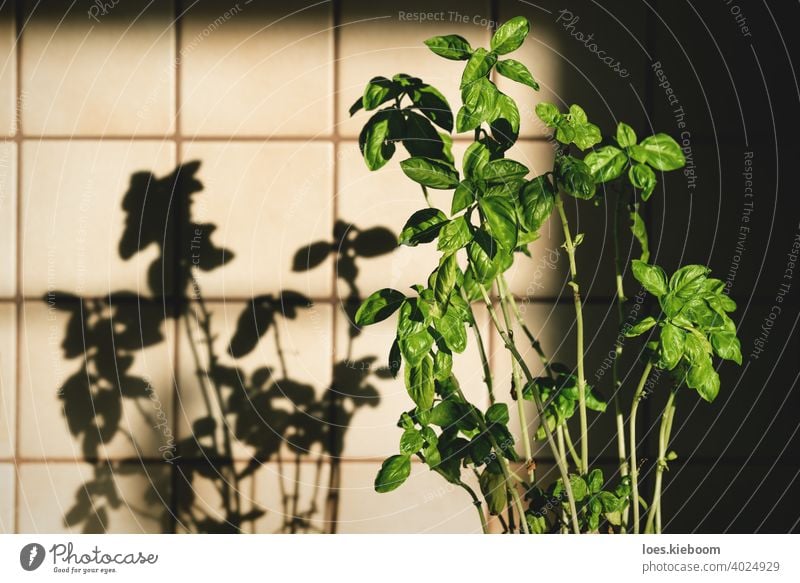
(258, 93)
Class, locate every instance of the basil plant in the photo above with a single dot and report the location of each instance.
(497, 209)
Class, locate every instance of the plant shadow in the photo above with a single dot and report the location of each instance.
(250, 417)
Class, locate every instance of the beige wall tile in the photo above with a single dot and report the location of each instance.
(569, 72)
(8, 70)
(257, 69)
(7, 487)
(73, 217)
(306, 348)
(269, 201)
(425, 503)
(112, 77)
(8, 383)
(381, 40)
(8, 218)
(142, 430)
(54, 498)
(200, 495)
(302, 510)
(376, 403)
(386, 198)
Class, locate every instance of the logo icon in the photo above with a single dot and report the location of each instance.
(31, 556)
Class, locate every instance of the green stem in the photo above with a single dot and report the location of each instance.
(517, 379)
(503, 284)
(661, 464)
(634, 469)
(539, 406)
(501, 460)
(487, 370)
(617, 384)
(575, 458)
(576, 296)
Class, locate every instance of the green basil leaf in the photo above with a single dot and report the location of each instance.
(639, 231)
(503, 170)
(595, 480)
(574, 177)
(430, 173)
(548, 113)
(480, 63)
(479, 100)
(419, 383)
(727, 346)
(482, 252)
(502, 219)
(452, 330)
(357, 106)
(509, 36)
(379, 306)
(704, 379)
(475, 158)
(422, 227)
(594, 402)
(493, 488)
(378, 91)
(662, 152)
(411, 441)
(411, 318)
(586, 135)
(606, 163)
(434, 106)
(642, 177)
(652, 277)
(518, 72)
(497, 413)
(641, 327)
(579, 488)
(671, 346)
(463, 196)
(445, 278)
(455, 235)
(431, 451)
(442, 365)
(445, 414)
(505, 121)
(451, 46)
(421, 139)
(415, 347)
(537, 198)
(373, 140)
(688, 281)
(394, 471)
(625, 135)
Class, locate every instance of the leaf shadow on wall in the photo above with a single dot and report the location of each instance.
(201, 482)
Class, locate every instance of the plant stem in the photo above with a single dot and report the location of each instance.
(501, 460)
(634, 466)
(539, 406)
(617, 384)
(575, 458)
(576, 296)
(487, 371)
(503, 285)
(661, 463)
(517, 378)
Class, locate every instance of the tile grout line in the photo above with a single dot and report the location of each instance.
(18, 299)
(334, 465)
(272, 138)
(177, 304)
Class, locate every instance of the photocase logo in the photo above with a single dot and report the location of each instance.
(31, 556)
